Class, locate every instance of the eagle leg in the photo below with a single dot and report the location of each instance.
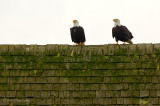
(80, 43)
(116, 43)
(75, 44)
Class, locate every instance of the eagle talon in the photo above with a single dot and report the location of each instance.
(75, 44)
(117, 43)
(80, 43)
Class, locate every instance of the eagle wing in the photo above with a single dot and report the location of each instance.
(81, 31)
(127, 32)
(77, 34)
(72, 34)
(113, 32)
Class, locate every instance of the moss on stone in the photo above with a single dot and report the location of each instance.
(4, 87)
(85, 69)
(94, 80)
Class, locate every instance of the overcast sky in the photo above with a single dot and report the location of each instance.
(49, 21)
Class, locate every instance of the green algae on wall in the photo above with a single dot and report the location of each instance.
(88, 75)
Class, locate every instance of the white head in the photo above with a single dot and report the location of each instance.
(75, 23)
(116, 22)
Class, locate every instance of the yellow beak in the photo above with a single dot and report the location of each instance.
(114, 20)
(74, 21)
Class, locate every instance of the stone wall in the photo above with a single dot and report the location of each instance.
(110, 75)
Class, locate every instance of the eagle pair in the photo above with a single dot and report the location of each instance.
(119, 31)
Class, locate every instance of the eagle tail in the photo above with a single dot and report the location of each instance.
(130, 42)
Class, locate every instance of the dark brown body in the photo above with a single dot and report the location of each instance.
(121, 33)
(77, 34)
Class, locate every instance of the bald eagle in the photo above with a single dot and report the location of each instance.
(77, 33)
(121, 32)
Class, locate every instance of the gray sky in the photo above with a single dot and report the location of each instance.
(49, 21)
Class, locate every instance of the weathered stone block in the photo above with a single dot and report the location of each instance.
(82, 79)
(16, 80)
(153, 94)
(131, 79)
(57, 101)
(20, 94)
(89, 86)
(120, 101)
(146, 79)
(14, 87)
(141, 49)
(149, 48)
(4, 101)
(19, 66)
(37, 87)
(157, 48)
(2, 94)
(4, 49)
(24, 73)
(144, 93)
(98, 101)
(153, 101)
(61, 73)
(45, 94)
(3, 80)
(113, 94)
(107, 101)
(47, 86)
(65, 101)
(15, 73)
(80, 94)
(132, 49)
(91, 94)
(60, 87)
(5, 72)
(37, 94)
(50, 101)
(29, 94)
(88, 101)
(41, 79)
(107, 87)
(47, 73)
(54, 93)
(78, 101)
(135, 93)
(100, 94)
(134, 72)
(123, 49)
(111, 49)
(127, 101)
(64, 80)
(41, 101)
(29, 80)
(107, 80)
(27, 87)
(73, 79)
(127, 93)
(94, 80)
(124, 72)
(158, 93)
(10, 94)
(68, 94)
(119, 87)
(52, 79)
(116, 80)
